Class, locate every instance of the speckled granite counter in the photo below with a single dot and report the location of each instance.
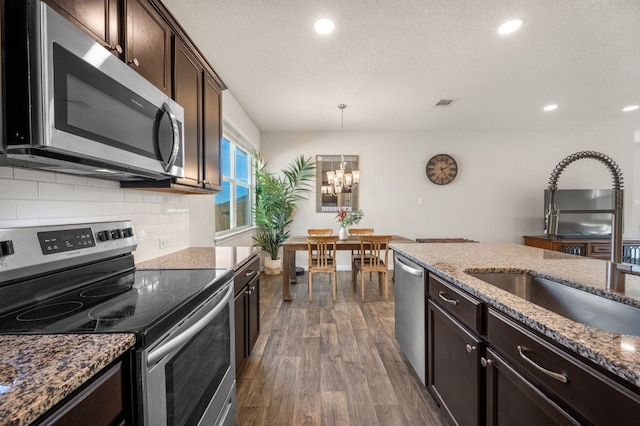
(617, 353)
(37, 372)
(202, 257)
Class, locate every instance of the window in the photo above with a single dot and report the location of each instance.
(234, 204)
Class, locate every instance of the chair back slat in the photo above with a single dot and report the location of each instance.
(360, 231)
(319, 231)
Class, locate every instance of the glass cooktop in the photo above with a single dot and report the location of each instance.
(136, 302)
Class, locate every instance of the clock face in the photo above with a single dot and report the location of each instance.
(442, 169)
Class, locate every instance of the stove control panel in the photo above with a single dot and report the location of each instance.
(66, 240)
(30, 251)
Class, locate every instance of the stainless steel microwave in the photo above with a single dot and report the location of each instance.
(72, 107)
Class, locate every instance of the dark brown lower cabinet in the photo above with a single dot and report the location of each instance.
(247, 310)
(513, 400)
(455, 376)
(104, 401)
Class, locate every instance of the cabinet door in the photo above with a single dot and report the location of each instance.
(240, 324)
(253, 313)
(188, 87)
(454, 375)
(98, 18)
(212, 133)
(148, 43)
(513, 400)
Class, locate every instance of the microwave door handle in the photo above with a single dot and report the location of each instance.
(176, 138)
(175, 342)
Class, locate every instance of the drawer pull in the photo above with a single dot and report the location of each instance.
(443, 295)
(485, 361)
(470, 348)
(249, 272)
(559, 377)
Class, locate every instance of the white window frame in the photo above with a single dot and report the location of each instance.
(237, 140)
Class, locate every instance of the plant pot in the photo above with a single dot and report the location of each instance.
(272, 267)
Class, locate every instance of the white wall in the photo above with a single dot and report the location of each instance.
(497, 195)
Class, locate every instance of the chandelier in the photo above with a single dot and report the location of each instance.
(340, 181)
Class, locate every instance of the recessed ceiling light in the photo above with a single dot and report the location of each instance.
(630, 108)
(550, 108)
(510, 26)
(324, 26)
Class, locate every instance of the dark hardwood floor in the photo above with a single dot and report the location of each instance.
(326, 363)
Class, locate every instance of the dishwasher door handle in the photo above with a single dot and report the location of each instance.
(409, 269)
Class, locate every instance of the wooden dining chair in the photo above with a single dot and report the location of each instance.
(374, 257)
(355, 254)
(321, 259)
(319, 231)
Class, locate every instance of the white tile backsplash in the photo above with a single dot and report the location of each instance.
(56, 191)
(18, 190)
(32, 198)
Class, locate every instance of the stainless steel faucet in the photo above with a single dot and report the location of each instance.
(615, 268)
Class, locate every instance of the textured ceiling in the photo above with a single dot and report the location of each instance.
(391, 61)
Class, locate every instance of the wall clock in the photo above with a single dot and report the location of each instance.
(442, 169)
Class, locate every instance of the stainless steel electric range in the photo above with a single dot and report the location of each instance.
(81, 278)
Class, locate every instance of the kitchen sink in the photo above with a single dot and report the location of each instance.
(577, 305)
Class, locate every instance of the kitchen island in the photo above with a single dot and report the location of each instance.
(38, 372)
(617, 353)
(494, 357)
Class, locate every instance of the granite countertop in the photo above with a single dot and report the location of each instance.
(202, 257)
(37, 372)
(616, 352)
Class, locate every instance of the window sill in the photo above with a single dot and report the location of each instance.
(223, 236)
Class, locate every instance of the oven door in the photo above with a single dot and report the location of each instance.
(188, 377)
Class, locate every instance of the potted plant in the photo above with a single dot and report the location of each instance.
(277, 197)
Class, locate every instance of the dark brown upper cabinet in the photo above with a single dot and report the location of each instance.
(133, 30)
(212, 133)
(148, 43)
(98, 18)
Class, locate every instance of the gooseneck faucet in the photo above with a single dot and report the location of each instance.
(615, 268)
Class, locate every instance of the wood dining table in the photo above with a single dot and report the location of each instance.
(299, 243)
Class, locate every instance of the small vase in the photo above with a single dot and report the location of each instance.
(342, 234)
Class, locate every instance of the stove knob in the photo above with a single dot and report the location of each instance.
(127, 232)
(114, 235)
(104, 236)
(6, 248)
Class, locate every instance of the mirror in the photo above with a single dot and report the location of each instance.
(330, 202)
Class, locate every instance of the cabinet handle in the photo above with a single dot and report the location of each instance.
(249, 272)
(471, 348)
(559, 377)
(249, 291)
(442, 296)
(485, 361)
(135, 62)
(117, 48)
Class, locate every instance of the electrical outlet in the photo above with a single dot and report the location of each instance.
(163, 242)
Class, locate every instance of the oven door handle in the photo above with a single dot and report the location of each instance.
(161, 351)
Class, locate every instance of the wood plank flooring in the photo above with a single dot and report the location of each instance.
(325, 363)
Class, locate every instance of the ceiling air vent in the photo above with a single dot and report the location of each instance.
(444, 103)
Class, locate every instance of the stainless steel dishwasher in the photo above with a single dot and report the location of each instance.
(410, 309)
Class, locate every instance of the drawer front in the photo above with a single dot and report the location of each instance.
(579, 387)
(601, 249)
(464, 307)
(246, 273)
